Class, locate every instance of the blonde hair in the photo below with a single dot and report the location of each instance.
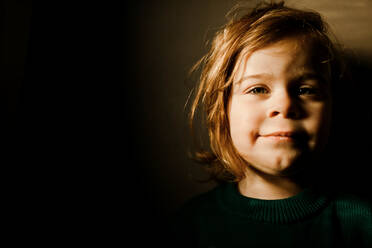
(254, 29)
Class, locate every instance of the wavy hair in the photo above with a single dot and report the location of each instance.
(247, 30)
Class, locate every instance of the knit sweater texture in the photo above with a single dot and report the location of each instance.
(223, 217)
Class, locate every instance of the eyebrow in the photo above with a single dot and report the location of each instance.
(308, 76)
(255, 76)
(300, 77)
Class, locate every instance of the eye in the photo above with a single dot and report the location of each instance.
(307, 91)
(258, 90)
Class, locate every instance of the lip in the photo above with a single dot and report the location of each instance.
(288, 134)
(283, 136)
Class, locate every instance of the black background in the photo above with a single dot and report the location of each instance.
(62, 149)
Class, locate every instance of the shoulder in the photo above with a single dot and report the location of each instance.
(201, 203)
(354, 213)
(355, 218)
(352, 206)
(198, 208)
(185, 222)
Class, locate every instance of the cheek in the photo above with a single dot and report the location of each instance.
(318, 125)
(244, 123)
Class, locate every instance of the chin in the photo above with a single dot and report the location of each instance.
(277, 168)
(289, 166)
(278, 165)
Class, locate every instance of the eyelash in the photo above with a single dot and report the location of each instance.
(307, 90)
(254, 90)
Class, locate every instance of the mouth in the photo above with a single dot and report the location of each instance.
(285, 136)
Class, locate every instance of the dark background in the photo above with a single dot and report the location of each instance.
(61, 71)
(71, 136)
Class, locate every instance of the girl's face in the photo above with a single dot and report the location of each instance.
(279, 107)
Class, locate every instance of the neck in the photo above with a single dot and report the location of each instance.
(268, 187)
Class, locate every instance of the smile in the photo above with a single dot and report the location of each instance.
(283, 136)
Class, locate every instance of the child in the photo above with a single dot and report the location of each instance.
(267, 88)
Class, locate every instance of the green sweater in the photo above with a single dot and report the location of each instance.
(225, 218)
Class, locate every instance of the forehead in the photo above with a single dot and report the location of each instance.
(285, 56)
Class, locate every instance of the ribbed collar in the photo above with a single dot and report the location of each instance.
(292, 209)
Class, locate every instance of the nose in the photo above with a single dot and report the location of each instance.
(283, 104)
